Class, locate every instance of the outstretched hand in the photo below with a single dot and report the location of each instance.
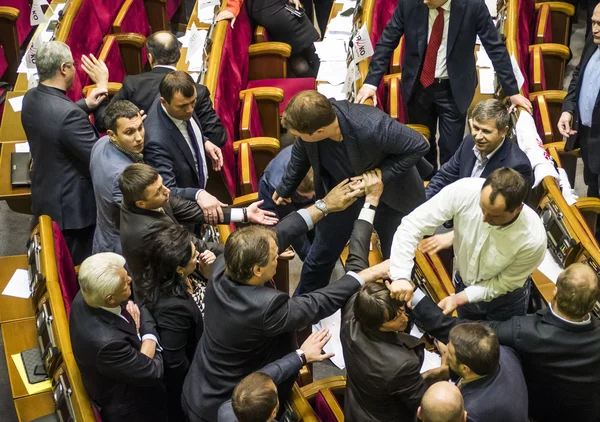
(258, 216)
(313, 346)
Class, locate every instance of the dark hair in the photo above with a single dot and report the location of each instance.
(373, 306)
(164, 48)
(254, 398)
(117, 110)
(510, 184)
(167, 249)
(476, 346)
(577, 290)
(177, 81)
(245, 248)
(286, 139)
(307, 112)
(492, 109)
(133, 182)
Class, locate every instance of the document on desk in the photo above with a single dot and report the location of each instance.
(550, 267)
(482, 59)
(332, 91)
(206, 13)
(22, 147)
(195, 51)
(487, 83)
(331, 50)
(333, 73)
(18, 285)
(16, 103)
(333, 323)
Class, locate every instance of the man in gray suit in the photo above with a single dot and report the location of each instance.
(122, 146)
(342, 140)
(61, 138)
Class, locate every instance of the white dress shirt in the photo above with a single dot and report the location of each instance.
(182, 126)
(491, 260)
(117, 311)
(481, 161)
(441, 70)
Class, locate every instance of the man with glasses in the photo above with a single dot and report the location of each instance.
(61, 138)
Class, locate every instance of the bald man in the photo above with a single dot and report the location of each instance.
(442, 402)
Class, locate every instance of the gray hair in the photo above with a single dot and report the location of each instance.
(492, 109)
(50, 57)
(99, 277)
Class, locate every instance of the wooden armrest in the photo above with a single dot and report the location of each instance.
(588, 204)
(245, 200)
(265, 48)
(333, 404)
(396, 64)
(301, 406)
(387, 78)
(558, 6)
(552, 49)
(259, 34)
(313, 388)
(9, 13)
(259, 144)
(264, 93)
(131, 38)
(546, 123)
(544, 16)
(551, 95)
(113, 88)
(305, 377)
(116, 25)
(422, 129)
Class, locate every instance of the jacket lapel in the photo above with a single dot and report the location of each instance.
(115, 320)
(457, 9)
(497, 158)
(422, 16)
(178, 139)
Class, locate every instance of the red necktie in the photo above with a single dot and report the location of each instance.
(435, 40)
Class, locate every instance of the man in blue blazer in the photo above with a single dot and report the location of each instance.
(122, 146)
(484, 151)
(439, 77)
(177, 145)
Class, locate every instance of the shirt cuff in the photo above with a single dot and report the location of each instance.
(418, 295)
(197, 193)
(367, 214)
(356, 276)
(237, 215)
(475, 293)
(154, 339)
(306, 216)
(370, 86)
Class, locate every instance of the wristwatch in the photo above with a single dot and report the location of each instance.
(370, 206)
(302, 356)
(321, 206)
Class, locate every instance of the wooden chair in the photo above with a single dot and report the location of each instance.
(253, 155)
(547, 66)
(553, 23)
(260, 112)
(23, 24)
(160, 13)
(9, 43)
(319, 400)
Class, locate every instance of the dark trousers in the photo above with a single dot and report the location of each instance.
(332, 234)
(433, 105)
(322, 9)
(591, 174)
(79, 243)
(501, 308)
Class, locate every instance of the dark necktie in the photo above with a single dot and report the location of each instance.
(125, 313)
(194, 141)
(435, 40)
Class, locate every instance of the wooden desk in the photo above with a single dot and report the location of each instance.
(13, 308)
(17, 199)
(18, 336)
(544, 285)
(11, 128)
(35, 406)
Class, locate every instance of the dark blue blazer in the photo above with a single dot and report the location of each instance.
(166, 150)
(462, 162)
(468, 18)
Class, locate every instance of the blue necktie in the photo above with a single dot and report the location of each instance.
(192, 136)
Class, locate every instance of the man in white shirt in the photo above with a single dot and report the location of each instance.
(498, 241)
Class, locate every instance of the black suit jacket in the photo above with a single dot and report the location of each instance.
(570, 104)
(166, 150)
(463, 161)
(468, 18)
(246, 327)
(372, 139)
(123, 382)
(61, 138)
(560, 360)
(138, 225)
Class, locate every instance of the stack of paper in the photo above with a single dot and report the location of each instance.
(487, 81)
(332, 91)
(330, 50)
(206, 10)
(332, 72)
(195, 51)
(340, 26)
(333, 323)
(18, 285)
(483, 59)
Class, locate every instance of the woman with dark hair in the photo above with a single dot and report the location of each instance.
(169, 289)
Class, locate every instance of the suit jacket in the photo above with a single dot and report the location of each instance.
(138, 225)
(246, 327)
(106, 165)
(142, 90)
(570, 104)
(560, 360)
(123, 382)
(463, 161)
(468, 18)
(279, 371)
(61, 138)
(372, 139)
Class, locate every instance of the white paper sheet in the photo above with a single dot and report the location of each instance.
(431, 360)
(332, 72)
(331, 50)
(332, 91)
(206, 13)
(16, 103)
(18, 286)
(550, 267)
(486, 81)
(492, 6)
(22, 147)
(333, 323)
(483, 60)
(363, 49)
(517, 72)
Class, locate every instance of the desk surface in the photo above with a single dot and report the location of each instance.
(6, 190)
(544, 285)
(18, 336)
(35, 406)
(13, 308)
(11, 128)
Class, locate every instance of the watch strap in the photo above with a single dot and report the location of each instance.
(370, 206)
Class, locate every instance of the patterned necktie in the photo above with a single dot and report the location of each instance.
(435, 40)
(194, 141)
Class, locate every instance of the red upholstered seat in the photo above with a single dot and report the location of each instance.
(106, 11)
(525, 15)
(66, 271)
(172, 6)
(23, 23)
(323, 410)
(255, 128)
(3, 62)
(382, 13)
(113, 61)
(134, 20)
(290, 87)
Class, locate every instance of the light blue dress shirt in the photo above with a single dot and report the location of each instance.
(590, 87)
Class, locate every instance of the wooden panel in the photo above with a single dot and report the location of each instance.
(36, 406)
(13, 196)
(18, 336)
(544, 285)
(13, 308)
(11, 128)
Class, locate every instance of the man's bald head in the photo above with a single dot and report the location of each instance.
(442, 402)
(163, 49)
(577, 291)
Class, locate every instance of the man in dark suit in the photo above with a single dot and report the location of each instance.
(116, 347)
(558, 346)
(122, 146)
(247, 323)
(580, 120)
(438, 70)
(177, 144)
(341, 140)
(484, 151)
(61, 138)
(147, 205)
(442, 402)
(255, 397)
